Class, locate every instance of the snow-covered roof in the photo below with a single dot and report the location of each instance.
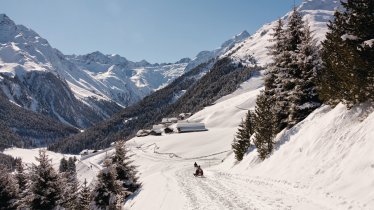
(169, 120)
(157, 127)
(189, 127)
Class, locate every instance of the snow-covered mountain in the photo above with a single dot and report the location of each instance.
(77, 90)
(120, 74)
(37, 77)
(316, 12)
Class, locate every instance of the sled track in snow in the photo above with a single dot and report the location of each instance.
(227, 191)
(208, 193)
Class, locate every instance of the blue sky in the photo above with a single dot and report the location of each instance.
(155, 30)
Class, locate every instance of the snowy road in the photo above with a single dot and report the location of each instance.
(168, 183)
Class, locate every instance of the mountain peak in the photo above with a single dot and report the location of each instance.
(184, 60)
(4, 18)
(237, 38)
(7, 28)
(244, 34)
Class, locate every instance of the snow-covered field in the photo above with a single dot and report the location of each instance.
(325, 162)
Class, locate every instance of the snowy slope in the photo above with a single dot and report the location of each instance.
(316, 12)
(330, 152)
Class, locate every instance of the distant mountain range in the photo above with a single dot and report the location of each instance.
(80, 90)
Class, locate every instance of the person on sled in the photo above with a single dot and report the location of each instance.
(199, 172)
(195, 165)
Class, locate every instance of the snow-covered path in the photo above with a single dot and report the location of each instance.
(179, 189)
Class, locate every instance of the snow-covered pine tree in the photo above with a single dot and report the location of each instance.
(70, 191)
(277, 52)
(20, 176)
(69, 178)
(359, 38)
(22, 179)
(290, 74)
(264, 125)
(63, 165)
(348, 55)
(304, 98)
(46, 187)
(276, 74)
(126, 171)
(8, 189)
(108, 191)
(284, 67)
(331, 80)
(71, 165)
(84, 197)
(241, 141)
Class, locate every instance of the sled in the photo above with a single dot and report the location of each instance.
(199, 176)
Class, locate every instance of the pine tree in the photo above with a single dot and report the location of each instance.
(264, 126)
(20, 176)
(281, 77)
(348, 57)
(108, 191)
(46, 187)
(22, 182)
(241, 141)
(63, 165)
(291, 74)
(359, 23)
(275, 75)
(8, 189)
(70, 191)
(304, 98)
(71, 165)
(84, 198)
(126, 172)
(71, 185)
(276, 51)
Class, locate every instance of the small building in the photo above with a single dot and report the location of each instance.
(190, 127)
(169, 130)
(183, 116)
(156, 132)
(169, 120)
(86, 152)
(159, 126)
